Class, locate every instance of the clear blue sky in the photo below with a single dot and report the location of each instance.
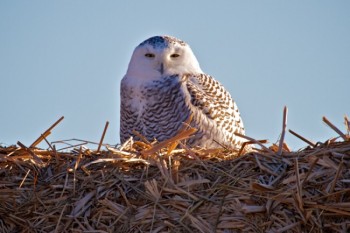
(66, 58)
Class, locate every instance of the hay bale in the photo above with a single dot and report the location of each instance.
(144, 187)
(189, 190)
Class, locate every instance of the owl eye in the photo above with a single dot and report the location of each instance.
(149, 55)
(175, 55)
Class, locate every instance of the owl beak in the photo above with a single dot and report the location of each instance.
(161, 69)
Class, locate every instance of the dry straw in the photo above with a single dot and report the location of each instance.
(153, 187)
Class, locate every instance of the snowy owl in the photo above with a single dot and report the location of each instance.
(164, 85)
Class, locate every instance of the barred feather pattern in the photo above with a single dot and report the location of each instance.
(158, 109)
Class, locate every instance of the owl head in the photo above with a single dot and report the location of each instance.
(161, 56)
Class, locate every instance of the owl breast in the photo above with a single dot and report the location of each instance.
(158, 109)
(155, 109)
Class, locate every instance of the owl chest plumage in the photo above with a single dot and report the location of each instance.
(155, 109)
(158, 109)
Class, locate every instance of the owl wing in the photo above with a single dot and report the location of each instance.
(215, 108)
(128, 114)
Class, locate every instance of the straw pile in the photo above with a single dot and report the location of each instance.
(143, 187)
